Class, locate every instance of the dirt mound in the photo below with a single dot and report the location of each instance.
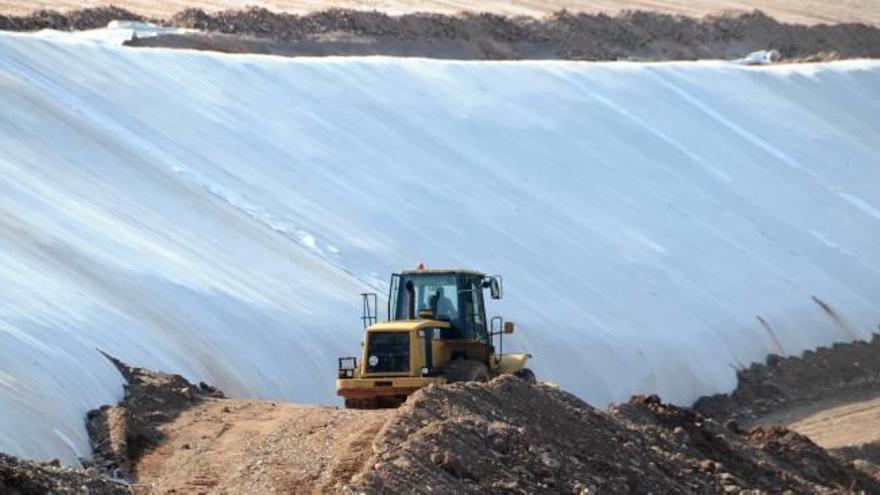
(20, 477)
(564, 35)
(73, 20)
(784, 382)
(511, 437)
(121, 434)
(170, 436)
(505, 436)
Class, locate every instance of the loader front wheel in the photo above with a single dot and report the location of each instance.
(466, 370)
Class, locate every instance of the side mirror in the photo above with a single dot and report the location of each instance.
(495, 287)
(508, 327)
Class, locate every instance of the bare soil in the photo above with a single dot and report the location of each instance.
(842, 420)
(795, 11)
(259, 447)
(122, 433)
(511, 437)
(506, 436)
(795, 385)
(831, 395)
(561, 35)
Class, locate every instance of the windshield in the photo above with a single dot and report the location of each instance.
(437, 293)
(456, 298)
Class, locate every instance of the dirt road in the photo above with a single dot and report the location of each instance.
(223, 446)
(796, 11)
(836, 422)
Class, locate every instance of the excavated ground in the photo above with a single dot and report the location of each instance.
(831, 394)
(505, 436)
(511, 437)
(786, 388)
(636, 35)
(800, 11)
(245, 446)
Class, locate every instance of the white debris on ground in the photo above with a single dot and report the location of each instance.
(761, 57)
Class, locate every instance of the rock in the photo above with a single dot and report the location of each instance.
(548, 460)
(707, 465)
(505, 485)
(680, 434)
(728, 479)
(454, 465)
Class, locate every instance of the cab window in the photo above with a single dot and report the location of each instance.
(439, 293)
(455, 298)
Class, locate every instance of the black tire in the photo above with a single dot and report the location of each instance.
(466, 370)
(390, 402)
(527, 376)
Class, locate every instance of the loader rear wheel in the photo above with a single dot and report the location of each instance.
(466, 370)
(527, 376)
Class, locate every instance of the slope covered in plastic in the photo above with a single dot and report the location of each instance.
(657, 225)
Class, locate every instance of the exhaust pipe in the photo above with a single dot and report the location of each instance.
(410, 300)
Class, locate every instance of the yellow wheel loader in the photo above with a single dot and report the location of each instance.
(436, 332)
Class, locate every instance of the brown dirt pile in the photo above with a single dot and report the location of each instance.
(831, 394)
(74, 20)
(511, 437)
(786, 382)
(121, 434)
(506, 436)
(800, 11)
(20, 477)
(170, 436)
(563, 35)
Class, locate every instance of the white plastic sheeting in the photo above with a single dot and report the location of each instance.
(217, 216)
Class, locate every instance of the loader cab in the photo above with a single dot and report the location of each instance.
(454, 296)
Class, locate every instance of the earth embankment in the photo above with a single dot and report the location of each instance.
(505, 436)
(632, 35)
